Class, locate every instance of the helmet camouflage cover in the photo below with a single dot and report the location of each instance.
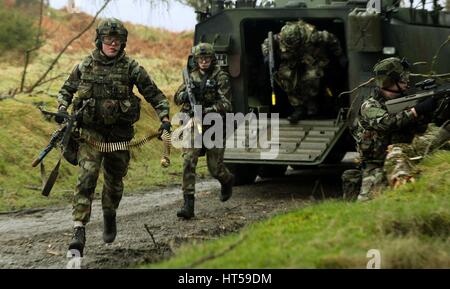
(292, 34)
(112, 26)
(205, 49)
(393, 69)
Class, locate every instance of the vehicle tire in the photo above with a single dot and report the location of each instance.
(272, 171)
(244, 174)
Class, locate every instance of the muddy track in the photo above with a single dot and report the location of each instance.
(39, 238)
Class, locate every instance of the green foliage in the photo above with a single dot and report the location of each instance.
(17, 32)
(410, 226)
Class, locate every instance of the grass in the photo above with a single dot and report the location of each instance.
(409, 226)
(24, 132)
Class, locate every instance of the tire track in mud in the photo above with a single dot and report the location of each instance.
(40, 239)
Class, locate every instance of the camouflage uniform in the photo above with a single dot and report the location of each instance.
(376, 130)
(402, 157)
(213, 92)
(113, 108)
(388, 144)
(303, 52)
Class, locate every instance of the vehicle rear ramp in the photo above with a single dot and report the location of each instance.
(305, 143)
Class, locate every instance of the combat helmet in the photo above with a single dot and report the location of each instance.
(391, 70)
(293, 34)
(108, 27)
(204, 49)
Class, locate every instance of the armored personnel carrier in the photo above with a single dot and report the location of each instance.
(368, 31)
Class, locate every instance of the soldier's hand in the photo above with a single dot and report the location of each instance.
(426, 107)
(184, 97)
(62, 114)
(265, 50)
(165, 126)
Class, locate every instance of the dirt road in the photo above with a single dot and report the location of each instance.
(39, 238)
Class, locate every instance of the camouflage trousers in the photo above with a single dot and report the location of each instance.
(216, 167)
(351, 184)
(402, 157)
(398, 167)
(302, 87)
(373, 181)
(115, 166)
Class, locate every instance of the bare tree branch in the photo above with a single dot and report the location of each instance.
(41, 79)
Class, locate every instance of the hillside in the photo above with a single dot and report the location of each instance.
(24, 132)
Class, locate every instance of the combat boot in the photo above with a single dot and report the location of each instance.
(298, 114)
(78, 240)
(227, 189)
(187, 211)
(109, 226)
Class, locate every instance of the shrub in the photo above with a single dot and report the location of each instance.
(17, 32)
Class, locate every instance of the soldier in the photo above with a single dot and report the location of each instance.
(212, 90)
(303, 53)
(105, 81)
(377, 129)
(401, 158)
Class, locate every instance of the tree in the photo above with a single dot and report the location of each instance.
(198, 5)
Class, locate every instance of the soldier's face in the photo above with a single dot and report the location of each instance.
(204, 62)
(393, 91)
(111, 46)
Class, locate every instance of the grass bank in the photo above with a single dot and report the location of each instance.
(410, 227)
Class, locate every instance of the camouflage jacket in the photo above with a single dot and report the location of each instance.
(377, 129)
(107, 85)
(212, 90)
(315, 52)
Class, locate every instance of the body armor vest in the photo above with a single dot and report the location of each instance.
(108, 91)
(205, 88)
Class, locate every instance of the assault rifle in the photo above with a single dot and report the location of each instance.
(272, 67)
(430, 89)
(60, 137)
(193, 103)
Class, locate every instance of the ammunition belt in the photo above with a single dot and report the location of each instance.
(109, 147)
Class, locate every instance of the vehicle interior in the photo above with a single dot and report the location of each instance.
(258, 81)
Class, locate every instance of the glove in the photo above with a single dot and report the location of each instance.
(184, 97)
(426, 107)
(265, 48)
(63, 114)
(165, 126)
